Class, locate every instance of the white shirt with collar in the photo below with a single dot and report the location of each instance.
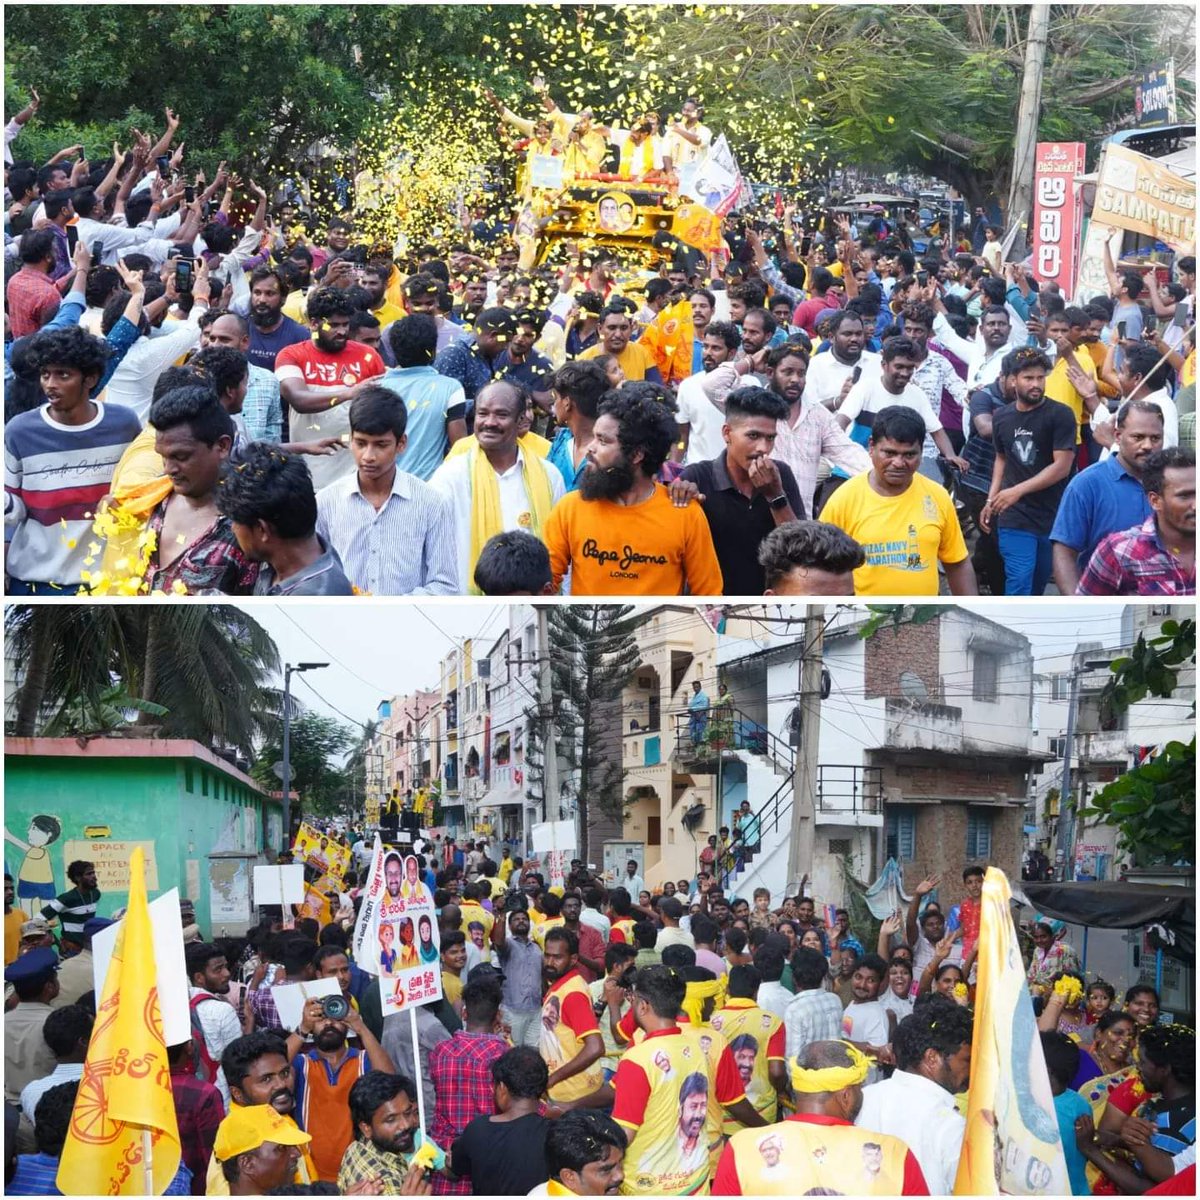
(220, 1023)
(921, 1114)
(406, 548)
(31, 1093)
(827, 375)
(133, 381)
(983, 365)
(453, 480)
(1161, 399)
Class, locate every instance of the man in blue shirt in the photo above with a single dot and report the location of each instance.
(522, 364)
(477, 363)
(1107, 497)
(578, 387)
(435, 403)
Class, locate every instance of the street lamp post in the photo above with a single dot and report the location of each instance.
(288, 670)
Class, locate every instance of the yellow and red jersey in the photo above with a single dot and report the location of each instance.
(756, 1038)
(567, 1020)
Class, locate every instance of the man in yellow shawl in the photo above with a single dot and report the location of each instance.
(496, 486)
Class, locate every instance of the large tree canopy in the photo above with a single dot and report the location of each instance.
(799, 88)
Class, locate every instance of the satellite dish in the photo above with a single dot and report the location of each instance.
(912, 686)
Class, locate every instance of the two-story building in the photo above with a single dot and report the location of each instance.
(924, 749)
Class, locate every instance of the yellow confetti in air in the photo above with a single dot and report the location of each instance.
(179, 588)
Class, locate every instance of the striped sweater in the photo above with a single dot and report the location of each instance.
(54, 476)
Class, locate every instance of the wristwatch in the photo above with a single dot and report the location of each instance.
(778, 503)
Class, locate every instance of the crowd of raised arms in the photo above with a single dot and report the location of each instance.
(211, 390)
(598, 1037)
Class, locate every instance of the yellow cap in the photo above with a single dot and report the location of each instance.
(248, 1127)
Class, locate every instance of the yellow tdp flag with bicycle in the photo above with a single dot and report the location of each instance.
(1011, 1146)
(124, 1108)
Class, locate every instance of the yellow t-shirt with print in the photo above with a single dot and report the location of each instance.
(904, 536)
(543, 927)
(1060, 388)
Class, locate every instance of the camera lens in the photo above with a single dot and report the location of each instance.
(336, 1008)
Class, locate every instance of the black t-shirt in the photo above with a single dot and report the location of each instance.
(502, 1158)
(1028, 441)
(737, 524)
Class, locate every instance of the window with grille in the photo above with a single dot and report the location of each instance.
(1061, 687)
(987, 668)
(901, 832)
(839, 846)
(979, 834)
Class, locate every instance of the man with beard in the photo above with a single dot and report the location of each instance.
(496, 486)
(522, 364)
(746, 492)
(373, 279)
(324, 1074)
(810, 432)
(1107, 497)
(270, 330)
(616, 329)
(933, 1060)
(521, 961)
(832, 375)
(905, 523)
(384, 1112)
(569, 1038)
(476, 363)
(585, 1150)
(591, 944)
(820, 1140)
(316, 379)
(195, 549)
(1035, 450)
(208, 988)
(703, 304)
(620, 533)
(983, 355)
(758, 330)
(258, 1071)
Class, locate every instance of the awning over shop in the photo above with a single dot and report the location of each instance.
(1123, 906)
(502, 798)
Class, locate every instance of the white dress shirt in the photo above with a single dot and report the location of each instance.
(921, 1114)
(453, 480)
(133, 381)
(31, 1093)
(220, 1023)
(406, 548)
(703, 419)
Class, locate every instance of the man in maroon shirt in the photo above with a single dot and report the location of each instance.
(199, 1110)
(32, 297)
(591, 944)
(826, 288)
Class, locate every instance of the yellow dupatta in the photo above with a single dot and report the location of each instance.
(637, 161)
(486, 517)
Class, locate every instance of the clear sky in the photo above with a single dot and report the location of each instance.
(379, 649)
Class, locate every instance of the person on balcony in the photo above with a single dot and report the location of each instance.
(698, 707)
(721, 730)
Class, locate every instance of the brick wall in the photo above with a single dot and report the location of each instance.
(970, 779)
(891, 651)
(941, 847)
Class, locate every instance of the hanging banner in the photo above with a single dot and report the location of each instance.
(1154, 96)
(318, 850)
(1011, 1145)
(367, 923)
(405, 952)
(1136, 193)
(1057, 211)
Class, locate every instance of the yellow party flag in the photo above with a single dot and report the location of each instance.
(1012, 1144)
(123, 1139)
(669, 340)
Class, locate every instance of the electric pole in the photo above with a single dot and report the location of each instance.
(801, 847)
(546, 712)
(1020, 191)
(1066, 810)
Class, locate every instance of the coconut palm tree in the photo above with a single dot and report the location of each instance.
(208, 666)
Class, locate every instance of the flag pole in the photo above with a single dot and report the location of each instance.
(412, 1024)
(147, 1163)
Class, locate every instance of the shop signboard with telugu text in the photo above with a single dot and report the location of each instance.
(1057, 212)
(1138, 194)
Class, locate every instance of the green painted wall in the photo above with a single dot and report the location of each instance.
(186, 807)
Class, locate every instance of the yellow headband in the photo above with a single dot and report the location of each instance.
(831, 1079)
(697, 993)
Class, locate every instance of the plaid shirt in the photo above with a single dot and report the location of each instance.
(1136, 563)
(262, 1004)
(461, 1070)
(213, 563)
(812, 1016)
(199, 1110)
(364, 1160)
(261, 412)
(32, 300)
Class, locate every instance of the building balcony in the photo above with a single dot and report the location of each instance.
(849, 795)
(918, 725)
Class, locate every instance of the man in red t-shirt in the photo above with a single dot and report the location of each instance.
(317, 379)
(825, 294)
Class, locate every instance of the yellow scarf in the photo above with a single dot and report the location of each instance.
(122, 526)
(697, 993)
(831, 1079)
(486, 517)
(637, 161)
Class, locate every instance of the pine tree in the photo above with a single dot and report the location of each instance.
(593, 652)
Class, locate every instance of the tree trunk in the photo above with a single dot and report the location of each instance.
(149, 668)
(37, 674)
(1020, 194)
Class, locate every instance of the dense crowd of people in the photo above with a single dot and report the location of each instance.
(598, 1037)
(204, 395)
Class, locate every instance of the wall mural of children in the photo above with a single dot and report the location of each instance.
(35, 875)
